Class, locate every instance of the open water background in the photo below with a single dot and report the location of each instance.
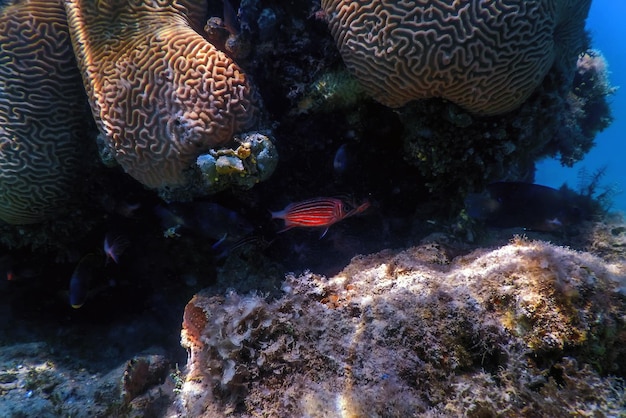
(608, 31)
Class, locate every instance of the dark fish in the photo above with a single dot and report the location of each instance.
(531, 206)
(253, 240)
(340, 161)
(205, 219)
(119, 206)
(231, 21)
(82, 277)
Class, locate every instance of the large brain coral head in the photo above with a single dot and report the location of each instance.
(41, 112)
(486, 56)
(161, 94)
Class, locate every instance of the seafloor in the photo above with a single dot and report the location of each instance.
(519, 327)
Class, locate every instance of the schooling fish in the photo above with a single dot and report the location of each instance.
(82, 276)
(531, 206)
(317, 212)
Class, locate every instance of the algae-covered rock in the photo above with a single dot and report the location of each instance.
(527, 328)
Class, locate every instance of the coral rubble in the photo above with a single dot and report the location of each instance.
(524, 329)
(36, 382)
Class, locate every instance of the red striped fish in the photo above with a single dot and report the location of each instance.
(317, 212)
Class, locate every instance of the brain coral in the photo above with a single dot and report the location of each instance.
(41, 117)
(161, 94)
(486, 56)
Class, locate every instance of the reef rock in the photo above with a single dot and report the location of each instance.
(526, 329)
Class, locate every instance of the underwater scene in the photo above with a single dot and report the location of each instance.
(312, 208)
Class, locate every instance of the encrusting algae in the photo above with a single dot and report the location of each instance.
(527, 328)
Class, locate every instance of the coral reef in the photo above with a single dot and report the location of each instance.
(402, 52)
(160, 93)
(317, 108)
(525, 329)
(51, 176)
(451, 151)
(42, 117)
(591, 86)
(559, 119)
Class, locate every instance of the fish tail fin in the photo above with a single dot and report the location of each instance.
(219, 242)
(279, 214)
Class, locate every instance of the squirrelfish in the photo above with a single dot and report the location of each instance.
(317, 212)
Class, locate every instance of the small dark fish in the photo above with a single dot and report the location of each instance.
(251, 240)
(530, 206)
(81, 279)
(126, 209)
(205, 219)
(119, 206)
(317, 212)
(231, 21)
(340, 161)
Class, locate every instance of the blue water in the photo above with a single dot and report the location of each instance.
(608, 31)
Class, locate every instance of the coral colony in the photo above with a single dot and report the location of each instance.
(141, 184)
(416, 64)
